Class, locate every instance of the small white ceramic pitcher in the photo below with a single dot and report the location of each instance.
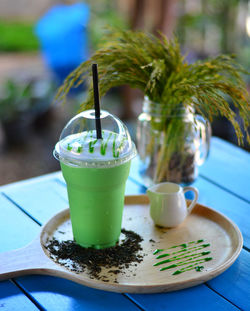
(168, 206)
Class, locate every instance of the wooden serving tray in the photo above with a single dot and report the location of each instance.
(203, 223)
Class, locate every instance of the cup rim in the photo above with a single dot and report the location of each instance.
(94, 164)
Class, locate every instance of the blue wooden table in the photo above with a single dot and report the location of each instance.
(25, 206)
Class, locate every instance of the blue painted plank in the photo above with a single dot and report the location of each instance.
(134, 172)
(132, 188)
(16, 231)
(41, 200)
(58, 294)
(228, 166)
(12, 299)
(16, 228)
(228, 204)
(30, 181)
(194, 299)
(234, 282)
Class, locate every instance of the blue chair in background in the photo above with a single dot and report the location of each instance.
(62, 32)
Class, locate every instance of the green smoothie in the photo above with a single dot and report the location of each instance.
(95, 171)
(96, 197)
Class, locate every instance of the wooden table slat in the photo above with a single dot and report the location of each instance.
(30, 181)
(58, 294)
(231, 206)
(234, 283)
(12, 298)
(195, 298)
(16, 228)
(229, 167)
(41, 200)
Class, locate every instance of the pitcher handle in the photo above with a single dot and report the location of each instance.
(196, 193)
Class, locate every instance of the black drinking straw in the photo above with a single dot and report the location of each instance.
(97, 103)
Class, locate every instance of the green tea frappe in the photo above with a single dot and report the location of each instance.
(95, 171)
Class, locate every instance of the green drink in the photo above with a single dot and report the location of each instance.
(96, 197)
(96, 172)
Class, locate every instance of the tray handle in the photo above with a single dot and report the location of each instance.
(27, 260)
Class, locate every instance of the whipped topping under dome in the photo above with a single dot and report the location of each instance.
(79, 146)
(87, 147)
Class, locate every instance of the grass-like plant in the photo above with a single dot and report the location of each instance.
(157, 67)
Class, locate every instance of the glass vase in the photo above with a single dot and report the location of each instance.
(172, 141)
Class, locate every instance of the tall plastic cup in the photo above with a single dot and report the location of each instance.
(95, 171)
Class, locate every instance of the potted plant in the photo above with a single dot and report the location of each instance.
(15, 112)
(20, 104)
(174, 89)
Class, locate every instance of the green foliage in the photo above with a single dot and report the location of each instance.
(18, 98)
(17, 37)
(15, 100)
(156, 66)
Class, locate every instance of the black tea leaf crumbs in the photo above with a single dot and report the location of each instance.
(78, 259)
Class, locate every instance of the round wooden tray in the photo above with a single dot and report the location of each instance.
(204, 223)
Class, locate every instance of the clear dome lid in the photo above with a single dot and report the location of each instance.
(78, 145)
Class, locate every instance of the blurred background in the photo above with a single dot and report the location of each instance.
(42, 41)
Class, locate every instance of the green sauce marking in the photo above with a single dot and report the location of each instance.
(193, 255)
(104, 145)
(91, 145)
(157, 251)
(186, 250)
(69, 147)
(79, 149)
(199, 268)
(116, 152)
(114, 142)
(186, 256)
(85, 137)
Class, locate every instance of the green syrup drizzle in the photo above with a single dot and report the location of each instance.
(187, 256)
(117, 152)
(69, 147)
(103, 148)
(114, 143)
(104, 145)
(85, 137)
(79, 149)
(91, 145)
